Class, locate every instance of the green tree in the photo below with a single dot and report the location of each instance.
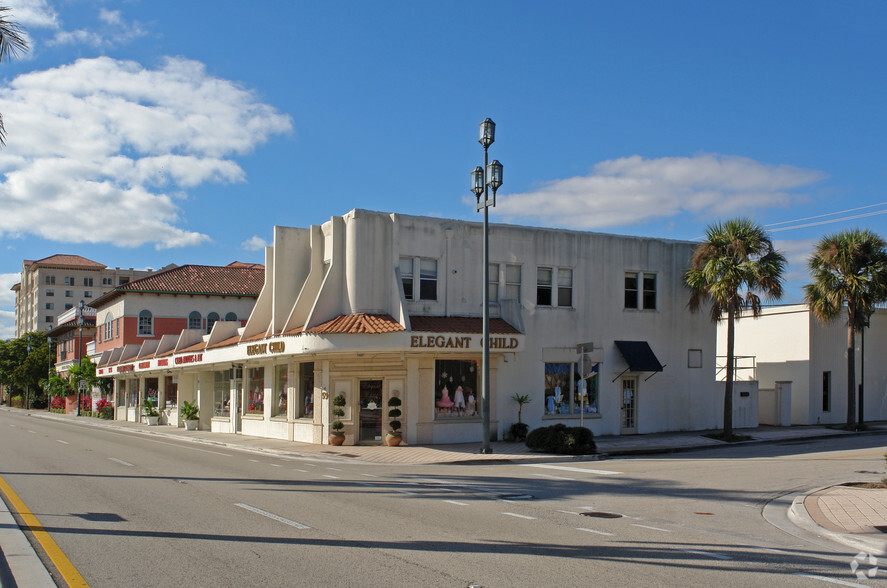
(12, 42)
(734, 264)
(849, 270)
(22, 370)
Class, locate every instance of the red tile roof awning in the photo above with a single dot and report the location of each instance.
(358, 323)
(460, 324)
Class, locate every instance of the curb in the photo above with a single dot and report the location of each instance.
(798, 515)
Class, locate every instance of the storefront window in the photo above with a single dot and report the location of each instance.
(132, 394)
(172, 391)
(221, 394)
(151, 391)
(255, 402)
(454, 389)
(306, 383)
(280, 390)
(563, 389)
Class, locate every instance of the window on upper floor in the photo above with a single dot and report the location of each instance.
(48, 318)
(50, 292)
(195, 321)
(512, 282)
(230, 317)
(69, 293)
(427, 278)
(640, 290)
(50, 306)
(493, 281)
(87, 282)
(545, 286)
(122, 281)
(107, 282)
(146, 323)
(69, 280)
(87, 293)
(211, 319)
(69, 306)
(109, 328)
(49, 280)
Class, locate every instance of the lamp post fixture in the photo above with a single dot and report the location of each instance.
(28, 384)
(482, 179)
(48, 370)
(80, 355)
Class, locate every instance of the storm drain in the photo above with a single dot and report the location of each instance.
(602, 515)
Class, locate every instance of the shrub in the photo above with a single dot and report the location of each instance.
(189, 412)
(107, 411)
(338, 412)
(519, 431)
(394, 413)
(562, 440)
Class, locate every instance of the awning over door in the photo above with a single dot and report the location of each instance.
(639, 356)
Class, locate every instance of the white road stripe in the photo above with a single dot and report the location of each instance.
(255, 460)
(303, 471)
(276, 465)
(594, 531)
(330, 476)
(520, 516)
(404, 491)
(370, 475)
(706, 553)
(64, 442)
(120, 461)
(832, 580)
(456, 502)
(568, 512)
(550, 477)
(570, 469)
(35, 432)
(335, 469)
(649, 527)
(273, 516)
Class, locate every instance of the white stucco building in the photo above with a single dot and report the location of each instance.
(801, 365)
(371, 305)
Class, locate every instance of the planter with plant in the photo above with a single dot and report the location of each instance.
(394, 437)
(188, 414)
(337, 437)
(150, 412)
(519, 429)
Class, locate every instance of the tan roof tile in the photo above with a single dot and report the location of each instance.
(69, 261)
(358, 323)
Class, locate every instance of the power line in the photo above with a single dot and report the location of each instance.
(827, 214)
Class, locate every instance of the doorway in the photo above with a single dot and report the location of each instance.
(629, 420)
(370, 425)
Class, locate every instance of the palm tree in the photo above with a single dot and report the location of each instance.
(734, 263)
(849, 269)
(12, 42)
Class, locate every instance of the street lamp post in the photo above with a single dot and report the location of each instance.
(28, 384)
(80, 356)
(482, 179)
(49, 371)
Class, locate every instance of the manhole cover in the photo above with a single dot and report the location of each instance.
(602, 515)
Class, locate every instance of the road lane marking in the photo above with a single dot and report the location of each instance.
(649, 527)
(185, 446)
(298, 470)
(370, 475)
(832, 580)
(255, 460)
(456, 502)
(272, 516)
(595, 531)
(570, 469)
(120, 461)
(568, 512)
(64, 442)
(706, 553)
(335, 469)
(276, 465)
(404, 491)
(64, 566)
(550, 477)
(520, 516)
(330, 476)
(35, 432)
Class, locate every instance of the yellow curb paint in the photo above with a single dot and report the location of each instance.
(69, 573)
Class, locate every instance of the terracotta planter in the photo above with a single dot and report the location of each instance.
(337, 438)
(393, 439)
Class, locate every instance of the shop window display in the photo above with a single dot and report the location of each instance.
(562, 389)
(172, 391)
(455, 389)
(306, 381)
(221, 394)
(255, 403)
(280, 390)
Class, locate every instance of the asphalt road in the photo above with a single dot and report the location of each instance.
(132, 510)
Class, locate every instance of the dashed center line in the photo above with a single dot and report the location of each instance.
(706, 553)
(404, 491)
(272, 516)
(520, 516)
(570, 469)
(456, 502)
(121, 462)
(568, 512)
(330, 476)
(831, 580)
(298, 470)
(649, 527)
(370, 475)
(595, 531)
(255, 460)
(62, 442)
(276, 465)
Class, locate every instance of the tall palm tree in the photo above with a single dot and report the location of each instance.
(734, 263)
(849, 269)
(12, 42)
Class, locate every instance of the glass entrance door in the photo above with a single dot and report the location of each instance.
(629, 424)
(370, 410)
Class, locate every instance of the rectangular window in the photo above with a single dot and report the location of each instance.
(87, 282)
(50, 306)
(566, 394)
(640, 290)
(221, 394)
(826, 391)
(543, 286)
(172, 391)
(255, 403)
(306, 384)
(69, 293)
(455, 382)
(50, 292)
(69, 281)
(406, 276)
(49, 280)
(512, 282)
(48, 318)
(69, 306)
(109, 325)
(428, 279)
(107, 282)
(493, 281)
(87, 293)
(122, 281)
(564, 287)
(280, 390)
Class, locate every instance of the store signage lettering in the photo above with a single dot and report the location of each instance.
(189, 358)
(144, 365)
(126, 368)
(441, 342)
(162, 362)
(263, 348)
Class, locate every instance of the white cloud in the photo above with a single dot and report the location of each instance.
(7, 324)
(7, 296)
(254, 243)
(33, 14)
(797, 253)
(98, 150)
(634, 190)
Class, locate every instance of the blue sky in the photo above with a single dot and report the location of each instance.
(146, 133)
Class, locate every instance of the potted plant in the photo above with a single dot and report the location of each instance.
(152, 416)
(520, 429)
(337, 437)
(188, 414)
(393, 438)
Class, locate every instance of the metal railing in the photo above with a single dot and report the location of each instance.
(744, 368)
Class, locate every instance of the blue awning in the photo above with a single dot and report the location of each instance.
(639, 356)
